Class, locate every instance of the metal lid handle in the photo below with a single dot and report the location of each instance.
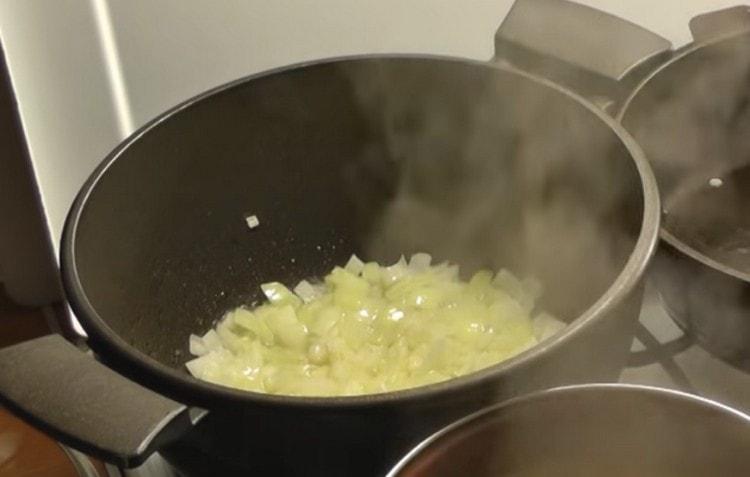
(563, 40)
(720, 23)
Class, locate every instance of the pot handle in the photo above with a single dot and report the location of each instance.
(720, 23)
(581, 47)
(79, 401)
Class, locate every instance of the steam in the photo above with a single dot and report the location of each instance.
(693, 121)
(495, 171)
(492, 171)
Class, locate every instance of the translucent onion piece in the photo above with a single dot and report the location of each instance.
(370, 329)
(196, 346)
(546, 326)
(306, 291)
(252, 221)
(354, 265)
(419, 262)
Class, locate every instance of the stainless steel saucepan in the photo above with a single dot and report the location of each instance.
(592, 430)
(689, 111)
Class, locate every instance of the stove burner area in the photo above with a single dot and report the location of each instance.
(663, 355)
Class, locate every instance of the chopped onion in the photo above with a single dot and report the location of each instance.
(306, 291)
(371, 329)
(279, 294)
(197, 366)
(395, 271)
(354, 265)
(252, 221)
(546, 326)
(419, 262)
(211, 341)
(197, 347)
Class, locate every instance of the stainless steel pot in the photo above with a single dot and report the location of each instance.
(156, 247)
(688, 111)
(590, 430)
(697, 102)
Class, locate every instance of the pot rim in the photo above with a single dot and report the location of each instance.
(181, 386)
(664, 234)
(552, 393)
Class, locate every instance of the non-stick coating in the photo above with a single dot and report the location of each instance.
(162, 247)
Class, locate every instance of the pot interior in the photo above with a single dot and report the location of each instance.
(376, 156)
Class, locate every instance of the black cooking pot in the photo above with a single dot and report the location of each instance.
(482, 165)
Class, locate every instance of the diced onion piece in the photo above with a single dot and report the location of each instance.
(252, 221)
(354, 265)
(286, 327)
(481, 279)
(278, 294)
(419, 262)
(248, 321)
(395, 271)
(211, 341)
(546, 326)
(200, 367)
(508, 282)
(197, 367)
(370, 329)
(448, 271)
(317, 353)
(371, 273)
(524, 292)
(197, 347)
(306, 291)
(532, 288)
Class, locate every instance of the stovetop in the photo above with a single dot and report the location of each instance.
(664, 356)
